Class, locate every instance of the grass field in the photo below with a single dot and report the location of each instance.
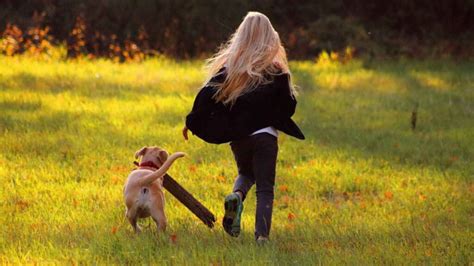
(362, 189)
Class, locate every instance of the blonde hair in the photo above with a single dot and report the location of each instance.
(251, 56)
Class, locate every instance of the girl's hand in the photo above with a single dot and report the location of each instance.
(185, 133)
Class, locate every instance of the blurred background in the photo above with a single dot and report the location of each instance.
(132, 29)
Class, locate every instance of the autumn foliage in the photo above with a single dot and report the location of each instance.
(129, 30)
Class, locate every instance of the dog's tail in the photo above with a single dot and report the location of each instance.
(163, 169)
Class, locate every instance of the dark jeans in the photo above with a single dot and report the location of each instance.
(256, 161)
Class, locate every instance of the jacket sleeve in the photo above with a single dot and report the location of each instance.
(286, 99)
(202, 106)
(202, 103)
(204, 98)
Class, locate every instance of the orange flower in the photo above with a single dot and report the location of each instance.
(173, 238)
(428, 253)
(291, 216)
(388, 195)
(114, 229)
(283, 188)
(422, 197)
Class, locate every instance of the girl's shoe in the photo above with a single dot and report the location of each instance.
(233, 211)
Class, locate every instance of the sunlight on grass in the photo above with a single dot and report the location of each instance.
(429, 80)
(364, 188)
(350, 76)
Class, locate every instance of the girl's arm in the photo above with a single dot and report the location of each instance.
(205, 96)
(199, 102)
(204, 100)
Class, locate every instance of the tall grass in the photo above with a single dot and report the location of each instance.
(364, 188)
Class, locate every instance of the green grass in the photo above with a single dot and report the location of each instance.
(362, 189)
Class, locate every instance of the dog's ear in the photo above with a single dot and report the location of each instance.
(163, 155)
(140, 152)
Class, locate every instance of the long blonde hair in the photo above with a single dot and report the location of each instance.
(251, 56)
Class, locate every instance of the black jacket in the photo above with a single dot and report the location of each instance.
(270, 104)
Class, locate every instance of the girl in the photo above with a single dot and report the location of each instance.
(247, 99)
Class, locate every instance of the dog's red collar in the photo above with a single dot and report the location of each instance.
(148, 164)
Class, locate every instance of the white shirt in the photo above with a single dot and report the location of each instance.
(269, 130)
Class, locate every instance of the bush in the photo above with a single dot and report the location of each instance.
(333, 33)
(130, 29)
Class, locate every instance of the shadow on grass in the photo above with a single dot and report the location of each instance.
(92, 88)
(65, 135)
(20, 106)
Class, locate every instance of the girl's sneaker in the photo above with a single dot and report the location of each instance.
(233, 211)
(261, 240)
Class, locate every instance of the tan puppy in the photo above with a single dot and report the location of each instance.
(143, 192)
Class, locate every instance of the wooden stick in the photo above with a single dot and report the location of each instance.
(206, 216)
